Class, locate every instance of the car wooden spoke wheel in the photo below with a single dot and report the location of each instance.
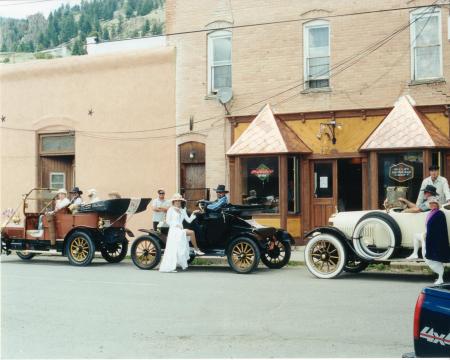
(325, 256)
(277, 255)
(80, 248)
(115, 253)
(146, 252)
(25, 255)
(243, 255)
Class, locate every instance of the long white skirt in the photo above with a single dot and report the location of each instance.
(176, 252)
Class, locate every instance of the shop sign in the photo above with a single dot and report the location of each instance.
(262, 172)
(401, 172)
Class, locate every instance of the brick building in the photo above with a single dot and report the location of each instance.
(332, 72)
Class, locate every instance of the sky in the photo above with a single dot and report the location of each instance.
(20, 9)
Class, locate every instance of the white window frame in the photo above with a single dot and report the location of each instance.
(428, 13)
(211, 37)
(57, 173)
(306, 28)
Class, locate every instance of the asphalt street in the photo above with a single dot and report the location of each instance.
(50, 309)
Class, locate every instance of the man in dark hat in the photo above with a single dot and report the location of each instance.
(221, 201)
(75, 197)
(439, 182)
(428, 191)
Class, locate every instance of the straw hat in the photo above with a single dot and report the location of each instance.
(177, 197)
(62, 191)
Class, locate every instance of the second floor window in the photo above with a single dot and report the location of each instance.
(426, 52)
(316, 41)
(219, 61)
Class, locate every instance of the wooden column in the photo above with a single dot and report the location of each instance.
(305, 193)
(427, 160)
(373, 180)
(283, 200)
(232, 180)
(365, 183)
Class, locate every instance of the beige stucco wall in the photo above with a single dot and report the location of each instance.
(269, 59)
(127, 92)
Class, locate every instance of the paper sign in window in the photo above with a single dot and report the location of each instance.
(323, 184)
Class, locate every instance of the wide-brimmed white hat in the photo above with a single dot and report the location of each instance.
(177, 197)
(433, 199)
(62, 191)
(91, 192)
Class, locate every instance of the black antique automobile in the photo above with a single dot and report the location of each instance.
(230, 232)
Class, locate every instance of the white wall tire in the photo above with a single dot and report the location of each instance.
(325, 256)
(375, 237)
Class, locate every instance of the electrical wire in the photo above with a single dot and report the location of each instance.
(353, 59)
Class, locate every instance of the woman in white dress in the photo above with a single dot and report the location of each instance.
(177, 245)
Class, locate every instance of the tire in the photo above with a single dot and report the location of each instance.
(25, 255)
(278, 257)
(243, 255)
(146, 252)
(384, 245)
(80, 248)
(325, 256)
(355, 266)
(116, 252)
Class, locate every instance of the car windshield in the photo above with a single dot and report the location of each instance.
(37, 200)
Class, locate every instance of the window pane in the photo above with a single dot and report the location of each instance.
(221, 76)
(319, 67)
(260, 181)
(57, 180)
(427, 62)
(386, 176)
(318, 42)
(222, 49)
(427, 31)
(323, 180)
(313, 84)
(64, 143)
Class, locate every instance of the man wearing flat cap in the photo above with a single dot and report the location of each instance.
(439, 182)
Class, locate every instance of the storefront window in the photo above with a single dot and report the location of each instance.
(400, 169)
(260, 181)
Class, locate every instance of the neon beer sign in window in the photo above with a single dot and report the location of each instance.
(401, 172)
(262, 172)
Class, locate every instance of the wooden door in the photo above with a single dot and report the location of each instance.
(194, 184)
(323, 191)
(192, 172)
(57, 172)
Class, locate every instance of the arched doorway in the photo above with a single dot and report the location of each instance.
(192, 172)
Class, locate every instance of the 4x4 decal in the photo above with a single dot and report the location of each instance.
(431, 336)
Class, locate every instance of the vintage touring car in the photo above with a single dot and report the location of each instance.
(229, 232)
(99, 226)
(355, 239)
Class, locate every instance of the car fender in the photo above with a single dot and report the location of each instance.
(337, 233)
(154, 235)
(129, 232)
(284, 236)
(252, 235)
(92, 232)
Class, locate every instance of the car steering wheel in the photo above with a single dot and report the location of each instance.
(201, 205)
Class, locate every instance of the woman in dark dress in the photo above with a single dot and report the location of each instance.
(437, 249)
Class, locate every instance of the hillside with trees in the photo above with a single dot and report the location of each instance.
(70, 25)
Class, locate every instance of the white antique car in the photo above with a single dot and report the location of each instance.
(355, 239)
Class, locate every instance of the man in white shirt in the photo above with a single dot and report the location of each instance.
(159, 206)
(439, 182)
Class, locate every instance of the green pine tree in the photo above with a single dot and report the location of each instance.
(146, 27)
(105, 33)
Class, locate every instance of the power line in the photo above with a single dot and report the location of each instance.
(25, 2)
(353, 59)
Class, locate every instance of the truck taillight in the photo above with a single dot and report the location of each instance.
(417, 312)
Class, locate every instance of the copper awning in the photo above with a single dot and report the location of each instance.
(267, 134)
(404, 128)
